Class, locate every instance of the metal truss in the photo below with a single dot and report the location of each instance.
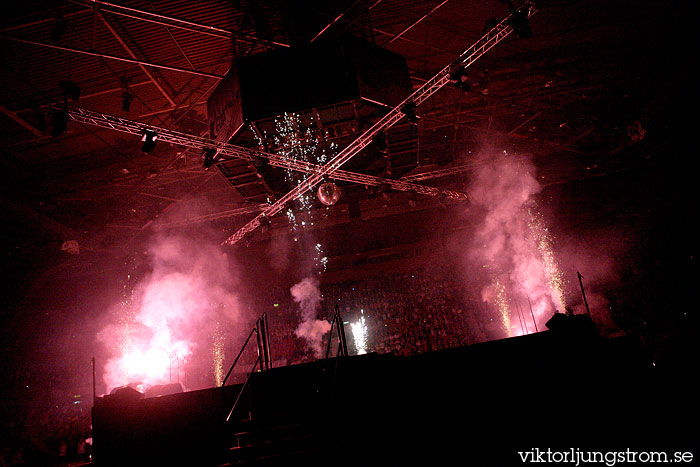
(225, 151)
(173, 22)
(436, 173)
(217, 215)
(468, 57)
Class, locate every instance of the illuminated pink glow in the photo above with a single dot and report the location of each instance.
(307, 294)
(173, 317)
(158, 340)
(514, 245)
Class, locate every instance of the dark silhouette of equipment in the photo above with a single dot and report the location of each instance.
(518, 21)
(571, 325)
(209, 156)
(337, 323)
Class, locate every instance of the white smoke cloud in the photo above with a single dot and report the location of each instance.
(307, 294)
(167, 325)
(513, 242)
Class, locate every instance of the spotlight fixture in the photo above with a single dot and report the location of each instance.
(520, 25)
(127, 97)
(384, 190)
(149, 141)
(460, 79)
(261, 165)
(209, 156)
(70, 89)
(381, 142)
(387, 165)
(518, 21)
(409, 110)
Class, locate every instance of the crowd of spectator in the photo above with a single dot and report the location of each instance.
(53, 435)
(408, 313)
(404, 314)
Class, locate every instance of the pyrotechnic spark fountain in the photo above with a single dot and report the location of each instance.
(359, 334)
(308, 144)
(126, 317)
(502, 304)
(218, 354)
(544, 240)
(175, 317)
(514, 241)
(321, 260)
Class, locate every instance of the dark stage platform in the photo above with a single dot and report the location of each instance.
(475, 405)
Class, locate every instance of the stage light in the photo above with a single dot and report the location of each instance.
(459, 78)
(70, 89)
(209, 155)
(387, 165)
(381, 142)
(261, 165)
(127, 97)
(384, 189)
(149, 141)
(520, 25)
(518, 20)
(409, 110)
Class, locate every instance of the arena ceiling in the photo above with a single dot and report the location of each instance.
(581, 97)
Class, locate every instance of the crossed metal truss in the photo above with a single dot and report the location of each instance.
(469, 56)
(226, 151)
(331, 170)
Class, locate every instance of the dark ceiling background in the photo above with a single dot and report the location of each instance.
(568, 98)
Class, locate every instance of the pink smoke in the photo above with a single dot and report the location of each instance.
(307, 294)
(167, 326)
(513, 243)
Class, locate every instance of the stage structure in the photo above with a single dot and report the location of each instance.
(405, 108)
(478, 404)
(367, 94)
(226, 151)
(322, 94)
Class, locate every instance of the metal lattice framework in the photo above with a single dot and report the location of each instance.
(467, 58)
(227, 151)
(331, 170)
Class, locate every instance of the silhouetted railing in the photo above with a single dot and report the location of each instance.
(337, 322)
(264, 356)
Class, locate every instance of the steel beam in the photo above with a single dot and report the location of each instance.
(469, 56)
(111, 57)
(131, 53)
(227, 151)
(415, 23)
(174, 22)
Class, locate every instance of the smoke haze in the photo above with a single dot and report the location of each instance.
(308, 296)
(512, 243)
(165, 330)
